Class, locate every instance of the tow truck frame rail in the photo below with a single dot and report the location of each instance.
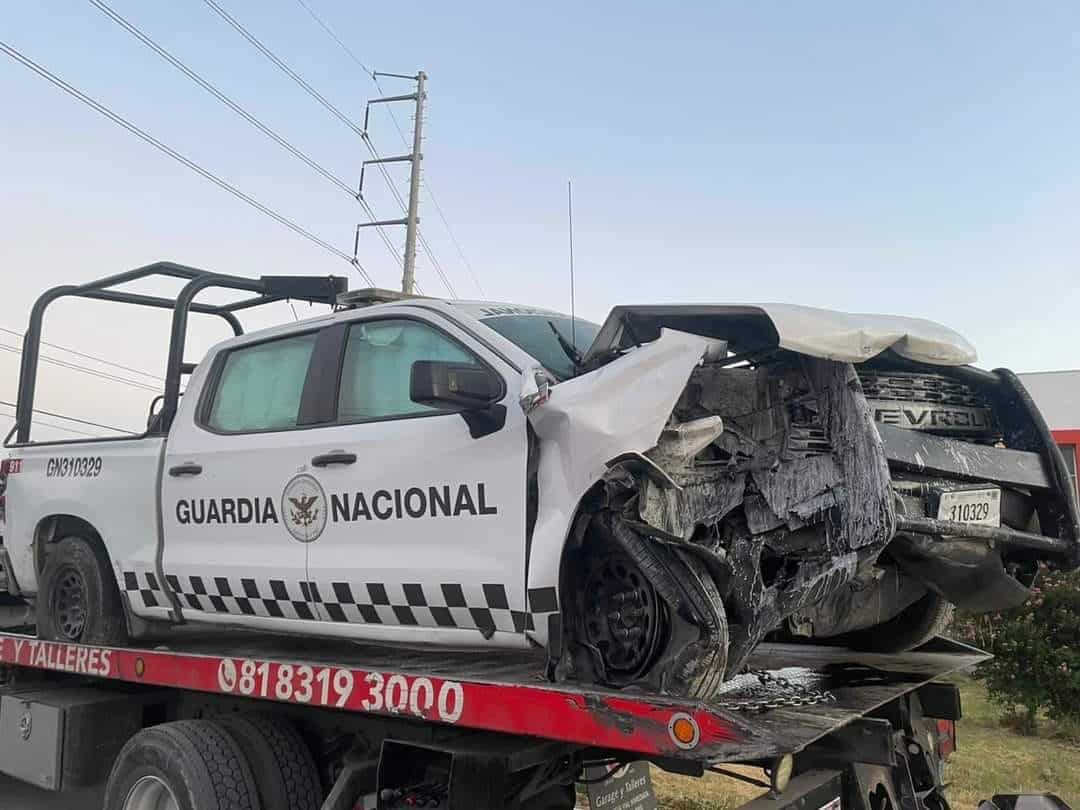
(500, 723)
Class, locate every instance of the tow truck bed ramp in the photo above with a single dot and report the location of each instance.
(757, 716)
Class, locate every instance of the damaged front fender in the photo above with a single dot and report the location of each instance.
(584, 423)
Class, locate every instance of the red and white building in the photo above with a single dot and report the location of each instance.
(1057, 393)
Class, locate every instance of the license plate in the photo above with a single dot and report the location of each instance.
(978, 506)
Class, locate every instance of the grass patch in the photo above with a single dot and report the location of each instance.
(992, 758)
(711, 792)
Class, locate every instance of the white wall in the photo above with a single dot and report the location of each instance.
(1057, 393)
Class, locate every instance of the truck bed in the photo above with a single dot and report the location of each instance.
(755, 716)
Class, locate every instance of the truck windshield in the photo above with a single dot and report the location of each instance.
(534, 334)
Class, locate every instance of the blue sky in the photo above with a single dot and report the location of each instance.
(917, 159)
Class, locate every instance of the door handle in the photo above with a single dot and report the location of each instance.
(335, 457)
(185, 469)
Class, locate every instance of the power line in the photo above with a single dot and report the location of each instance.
(431, 193)
(75, 367)
(404, 207)
(55, 426)
(206, 85)
(311, 91)
(72, 419)
(86, 356)
(457, 245)
(336, 39)
(220, 96)
(326, 103)
(169, 151)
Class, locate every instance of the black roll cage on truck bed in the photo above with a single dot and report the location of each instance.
(265, 290)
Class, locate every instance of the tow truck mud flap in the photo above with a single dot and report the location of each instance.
(65, 738)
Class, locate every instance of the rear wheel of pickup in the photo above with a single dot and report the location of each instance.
(78, 600)
(185, 765)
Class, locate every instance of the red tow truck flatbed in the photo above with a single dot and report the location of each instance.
(793, 699)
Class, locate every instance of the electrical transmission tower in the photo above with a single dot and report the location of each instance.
(411, 219)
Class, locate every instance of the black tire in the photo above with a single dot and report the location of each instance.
(78, 600)
(197, 761)
(912, 627)
(691, 656)
(284, 769)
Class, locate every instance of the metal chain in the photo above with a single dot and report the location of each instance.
(797, 694)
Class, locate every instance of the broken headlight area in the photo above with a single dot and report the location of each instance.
(823, 500)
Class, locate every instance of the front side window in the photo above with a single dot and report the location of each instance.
(260, 386)
(378, 367)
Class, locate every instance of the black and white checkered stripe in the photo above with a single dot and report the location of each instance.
(273, 598)
(543, 602)
(485, 608)
(482, 607)
(145, 586)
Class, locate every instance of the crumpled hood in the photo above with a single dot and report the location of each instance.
(843, 336)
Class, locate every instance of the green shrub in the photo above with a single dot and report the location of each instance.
(1036, 648)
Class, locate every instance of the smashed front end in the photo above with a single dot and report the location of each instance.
(831, 476)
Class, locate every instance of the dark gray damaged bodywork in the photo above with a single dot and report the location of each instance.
(812, 518)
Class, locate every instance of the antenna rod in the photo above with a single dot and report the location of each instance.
(570, 217)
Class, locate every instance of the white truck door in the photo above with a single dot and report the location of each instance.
(426, 532)
(231, 458)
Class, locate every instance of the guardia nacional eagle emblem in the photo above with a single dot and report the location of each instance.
(303, 508)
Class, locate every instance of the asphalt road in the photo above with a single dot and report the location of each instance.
(18, 796)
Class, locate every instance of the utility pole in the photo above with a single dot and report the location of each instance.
(408, 277)
(412, 218)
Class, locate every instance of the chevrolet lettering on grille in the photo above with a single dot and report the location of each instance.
(927, 416)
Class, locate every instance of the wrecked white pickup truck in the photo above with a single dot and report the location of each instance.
(645, 500)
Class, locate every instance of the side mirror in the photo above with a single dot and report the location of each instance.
(458, 385)
(155, 412)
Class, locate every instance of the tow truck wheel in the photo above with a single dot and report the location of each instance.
(186, 765)
(279, 758)
(78, 600)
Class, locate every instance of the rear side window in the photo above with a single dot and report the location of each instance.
(259, 387)
(378, 366)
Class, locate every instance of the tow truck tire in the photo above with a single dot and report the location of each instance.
(195, 763)
(78, 600)
(284, 769)
(917, 624)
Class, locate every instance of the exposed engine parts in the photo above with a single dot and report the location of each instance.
(819, 499)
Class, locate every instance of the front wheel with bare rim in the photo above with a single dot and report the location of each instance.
(645, 613)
